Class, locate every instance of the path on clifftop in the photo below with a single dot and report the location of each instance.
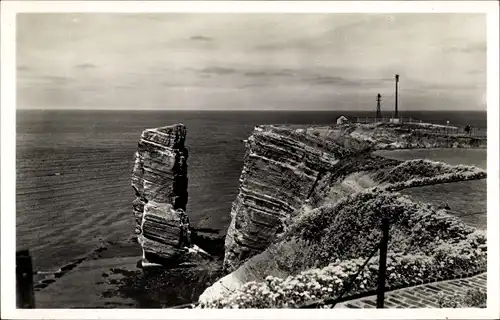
(422, 296)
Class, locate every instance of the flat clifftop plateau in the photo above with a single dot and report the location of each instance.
(290, 171)
(380, 136)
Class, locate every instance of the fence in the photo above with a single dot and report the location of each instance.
(387, 120)
(382, 246)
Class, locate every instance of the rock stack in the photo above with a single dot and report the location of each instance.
(160, 182)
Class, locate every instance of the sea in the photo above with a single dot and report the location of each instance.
(73, 170)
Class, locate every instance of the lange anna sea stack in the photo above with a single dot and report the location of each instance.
(160, 182)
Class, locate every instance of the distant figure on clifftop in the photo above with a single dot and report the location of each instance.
(467, 129)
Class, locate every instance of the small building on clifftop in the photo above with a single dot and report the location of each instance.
(342, 120)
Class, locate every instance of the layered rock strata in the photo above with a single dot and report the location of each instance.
(281, 169)
(160, 182)
(289, 171)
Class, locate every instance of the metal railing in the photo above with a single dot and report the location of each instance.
(382, 248)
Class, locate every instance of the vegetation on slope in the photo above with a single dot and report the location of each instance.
(428, 171)
(424, 244)
(321, 249)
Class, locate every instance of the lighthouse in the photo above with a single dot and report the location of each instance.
(379, 113)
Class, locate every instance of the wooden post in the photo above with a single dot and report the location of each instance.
(24, 280)
(382, 263)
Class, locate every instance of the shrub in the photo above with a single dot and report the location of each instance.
(329, 282)
(356, 219)
(295, 255)
(423, 244)
(473, 298)
(288, 257)
(290, 292)
(427, 171)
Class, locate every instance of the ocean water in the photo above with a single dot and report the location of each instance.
(73, 171)
(467, 199)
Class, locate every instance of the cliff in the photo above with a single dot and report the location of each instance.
(280, 170)
(159, 180)
(289, 173)
(284, 167)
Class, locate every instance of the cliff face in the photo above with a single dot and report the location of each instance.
(285, 169)
(281, 169)
(159, 179)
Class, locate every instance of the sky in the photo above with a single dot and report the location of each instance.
(206, 61)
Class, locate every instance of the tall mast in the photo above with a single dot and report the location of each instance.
(396, 99)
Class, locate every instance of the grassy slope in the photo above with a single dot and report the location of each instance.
(317, 237)
(424, 243)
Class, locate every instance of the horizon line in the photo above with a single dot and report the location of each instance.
(245, 110)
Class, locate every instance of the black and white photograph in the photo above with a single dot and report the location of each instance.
(252, 160)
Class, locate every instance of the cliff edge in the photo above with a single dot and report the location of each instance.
(290, 172)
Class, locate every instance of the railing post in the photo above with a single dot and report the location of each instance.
(24, 280)
(382, 263)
